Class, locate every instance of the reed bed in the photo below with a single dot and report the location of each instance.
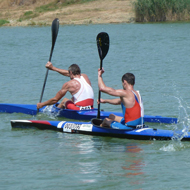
(162, 10)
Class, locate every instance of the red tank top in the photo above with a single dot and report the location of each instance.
(132, 114)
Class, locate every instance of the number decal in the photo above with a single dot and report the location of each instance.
(73, 127)
(85, 107)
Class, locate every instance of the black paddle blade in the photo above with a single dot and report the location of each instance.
(54, 30)
(102, 40)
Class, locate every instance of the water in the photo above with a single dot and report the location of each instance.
(158, 55)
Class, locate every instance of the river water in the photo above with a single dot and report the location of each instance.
(158, 55)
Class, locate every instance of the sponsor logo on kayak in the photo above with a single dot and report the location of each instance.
(86, 127)
(71, 127)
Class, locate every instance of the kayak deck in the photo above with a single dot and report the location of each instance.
(74, 114)
(88, 128)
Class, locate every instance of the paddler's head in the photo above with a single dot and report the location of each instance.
(74, 70)
(128, 79)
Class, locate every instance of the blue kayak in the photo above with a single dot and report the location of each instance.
(74, 114)
(93, 128)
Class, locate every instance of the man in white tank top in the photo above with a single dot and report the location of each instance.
(79, 86)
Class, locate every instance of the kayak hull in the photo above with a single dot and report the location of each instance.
(74, 114)
(89, 128)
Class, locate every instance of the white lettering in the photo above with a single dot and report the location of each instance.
(86, 127)
(85, 107)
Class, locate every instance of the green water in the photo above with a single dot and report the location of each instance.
(158, 55)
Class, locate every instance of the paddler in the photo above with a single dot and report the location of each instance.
(79, 87)
(130, 100)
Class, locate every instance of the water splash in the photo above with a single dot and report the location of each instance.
(182, 127)
(51, 111)
(173, 146)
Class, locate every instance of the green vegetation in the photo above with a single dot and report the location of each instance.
(46, 8)
(2, 22)
(28, 15)
(162, 10)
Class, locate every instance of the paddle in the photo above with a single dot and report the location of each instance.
(54, 30)
(102, 40)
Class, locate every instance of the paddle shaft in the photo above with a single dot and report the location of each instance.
(55, 28)
(46, 76)
(53, 44)
(99, 94)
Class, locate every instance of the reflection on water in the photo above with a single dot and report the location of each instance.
(134, 163)
(96, 158)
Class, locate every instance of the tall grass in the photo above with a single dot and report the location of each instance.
(162, 10)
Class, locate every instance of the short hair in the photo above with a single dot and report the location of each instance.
(129, 77)
(75, 69)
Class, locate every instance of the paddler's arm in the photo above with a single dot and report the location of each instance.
(106, 89)
(55, 99)
(116, 101)
(50, 66)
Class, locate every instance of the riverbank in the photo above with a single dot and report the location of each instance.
(94, 12)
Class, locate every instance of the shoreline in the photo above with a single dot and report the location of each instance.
(95, 12)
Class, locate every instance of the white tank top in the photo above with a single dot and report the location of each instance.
(141, 104)
(85, 92)
(142, 108)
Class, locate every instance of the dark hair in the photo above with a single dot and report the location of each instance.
(129, 77)
(75, 69)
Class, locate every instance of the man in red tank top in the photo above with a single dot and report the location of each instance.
(79, 87)
(129, 99)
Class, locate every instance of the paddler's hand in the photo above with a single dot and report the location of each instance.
(49, 65)
(39, 105)
(101, 101)
(100, 72)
